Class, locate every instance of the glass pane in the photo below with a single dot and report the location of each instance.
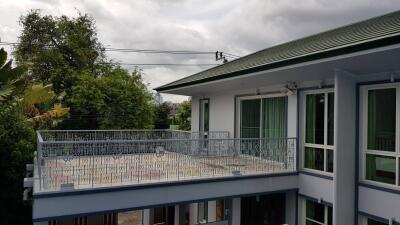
(202, 212)
(315, 211)
(314, 158)
(330, 214)
(331, 103)
(329, 162)
(129, 218)
(309, 222)
(206, 116)
(250, 118)
(382, 119)
(381, 168)
(315, 108)
(274, 118)
(374, 222)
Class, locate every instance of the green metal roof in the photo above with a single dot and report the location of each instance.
(372, 33)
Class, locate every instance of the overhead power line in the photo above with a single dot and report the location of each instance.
(151, 51)
(166, 64)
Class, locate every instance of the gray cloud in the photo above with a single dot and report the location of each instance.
(235, 26)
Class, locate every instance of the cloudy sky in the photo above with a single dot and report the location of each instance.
(235, 26)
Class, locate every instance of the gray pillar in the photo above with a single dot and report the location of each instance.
(344, 154)
(176, 215)
(148, 218)
(193, 214)
(236, 210)
(290, 208)
(212, 211)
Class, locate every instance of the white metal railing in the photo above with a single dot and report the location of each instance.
(87, 159)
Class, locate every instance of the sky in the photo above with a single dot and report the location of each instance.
(238, 27)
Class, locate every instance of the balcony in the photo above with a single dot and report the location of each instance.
(75, 160)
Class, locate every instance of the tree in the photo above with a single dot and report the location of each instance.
(162, 113)
(42, 106)
(57, 49)
(12, 80)
(17, 144)
(66, 53)
(184, 115)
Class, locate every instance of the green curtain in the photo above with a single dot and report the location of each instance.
(274, 118)
(310, 118)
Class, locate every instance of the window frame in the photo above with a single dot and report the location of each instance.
(304, 214)
(363, 136)
(324, 146)
(239, 100)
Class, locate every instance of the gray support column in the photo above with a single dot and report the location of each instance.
(176, 215)
(344, 154)
(212, 211)
(290, 208)
(148, 217)
(236, 211)
(193, 211)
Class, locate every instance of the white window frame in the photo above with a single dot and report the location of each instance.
(251, 97)
(304, 214)
(324, 146)
(364, 220)
(363, 139)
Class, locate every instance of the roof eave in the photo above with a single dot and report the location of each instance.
(382, 42)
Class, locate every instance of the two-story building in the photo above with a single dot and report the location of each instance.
(302, 133)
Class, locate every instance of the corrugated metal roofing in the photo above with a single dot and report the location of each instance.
(375, 32)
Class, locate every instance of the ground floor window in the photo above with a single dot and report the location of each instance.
(202, 212)
(374, 222)
(317, 214)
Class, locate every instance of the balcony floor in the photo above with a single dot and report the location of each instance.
(104, 171)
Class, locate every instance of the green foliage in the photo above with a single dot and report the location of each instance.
(184, 115)
(12, 80)
(17, 145)
(58, 48)
(162, 114)
(66, 53)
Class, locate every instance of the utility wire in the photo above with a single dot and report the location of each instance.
(152, 51)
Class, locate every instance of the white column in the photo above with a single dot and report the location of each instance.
(193, 211)
(148, 217)
(344, 155)
(176, 215)
(236, 210)
(212, 211)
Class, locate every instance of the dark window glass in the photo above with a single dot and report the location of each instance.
(314, 158)
(330, 215)
(382, 119)
(315, 211)
(315, 114)
(308, 222)
(250, 118)
(206, 116)
(329, 161)
(381, 168)
(374, 222)
(331, 102)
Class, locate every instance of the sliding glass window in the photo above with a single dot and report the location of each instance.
(380, 122)
(263, 125)
(317, 214)
(263, 118)
(319, 125)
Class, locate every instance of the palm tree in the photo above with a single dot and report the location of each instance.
(12, 80)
